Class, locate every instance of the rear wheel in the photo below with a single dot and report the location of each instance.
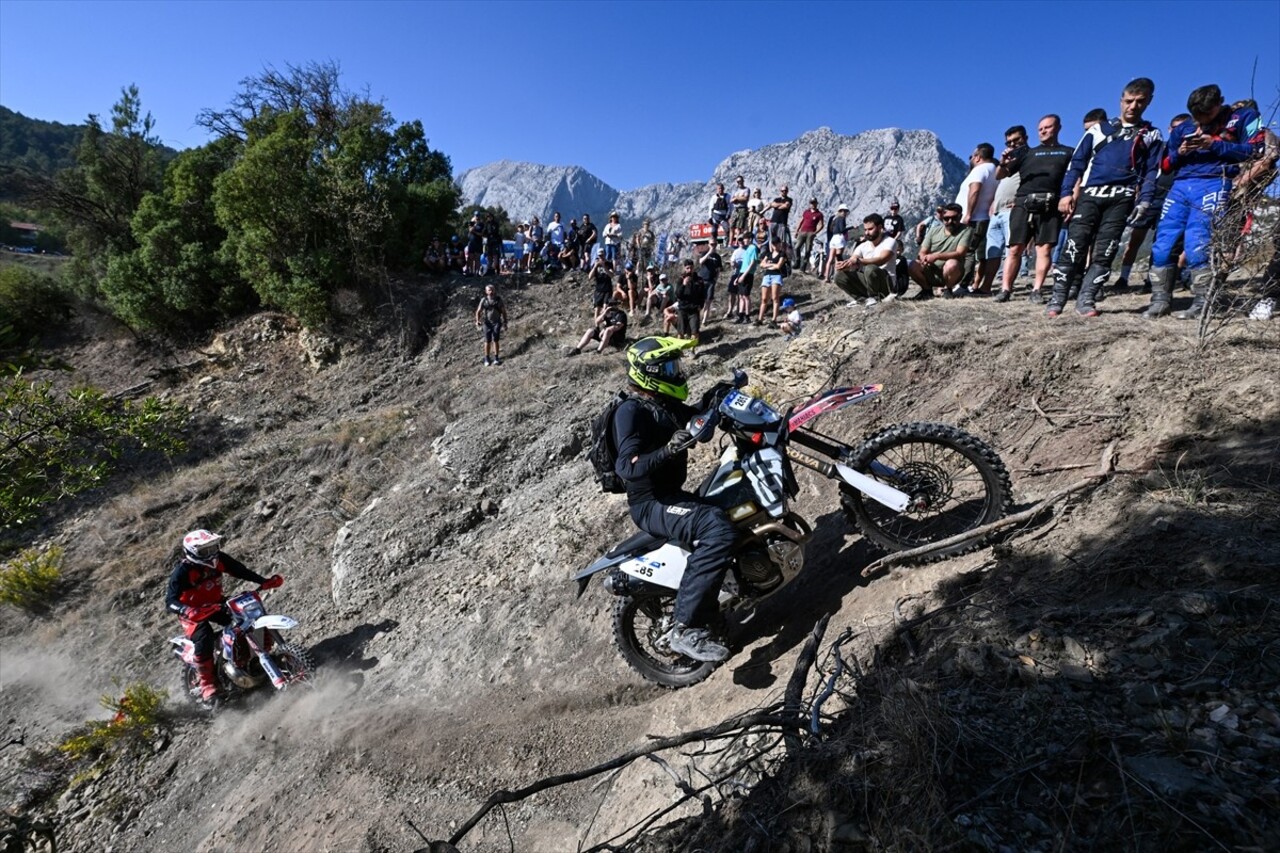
(640, 626)
(955, 480)
(295, 664)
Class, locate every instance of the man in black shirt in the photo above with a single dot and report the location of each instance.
(779, 233)
(601, 276)
(587, 238)
(1035, 215)
(653, 461)
(691, 295)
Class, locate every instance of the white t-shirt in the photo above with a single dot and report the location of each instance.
(794, 319)
(866, 249)
(612, 234)
(555, 232)
(735, 260)
(984, 174)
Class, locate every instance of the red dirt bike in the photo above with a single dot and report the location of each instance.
(249, 653)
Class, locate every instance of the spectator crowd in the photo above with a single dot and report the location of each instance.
(1064, 214)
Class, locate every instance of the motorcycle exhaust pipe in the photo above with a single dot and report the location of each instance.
(879, 492)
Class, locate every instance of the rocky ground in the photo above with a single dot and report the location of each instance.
(1105, 676)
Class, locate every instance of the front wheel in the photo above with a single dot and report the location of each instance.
(955, 480)
(295, 664)
(640, 626)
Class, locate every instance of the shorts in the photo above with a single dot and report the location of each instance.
(690, 321)
(1047, 227)
(738, 219)
(598, 299)
(745, 282)
(771, 280)
(492, 331)
(836, 241)
(997, 235)
(732, 287)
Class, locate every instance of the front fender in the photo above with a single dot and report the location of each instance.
(275, 621)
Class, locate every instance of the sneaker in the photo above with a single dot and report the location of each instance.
(870, 302)
(1263, 310)
(1002, 295)
(960, 290)
(497, 361)
(890, 297)
(486, 361)
(696, 643)
(571, 352)
(1035, 298)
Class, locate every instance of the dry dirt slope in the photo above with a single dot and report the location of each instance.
(427, 513)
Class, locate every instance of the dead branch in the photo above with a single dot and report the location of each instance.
(768, 717)
(1106, 468)
(799, 676)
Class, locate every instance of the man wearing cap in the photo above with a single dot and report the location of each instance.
(893, 225)
(738, 216)
(810, 221)
(837, 231)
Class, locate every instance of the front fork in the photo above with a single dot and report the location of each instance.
(260, 642)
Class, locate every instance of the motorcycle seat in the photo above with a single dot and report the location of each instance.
(641, 542)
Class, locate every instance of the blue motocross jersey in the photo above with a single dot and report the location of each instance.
(1238, 135)
(1115, 154)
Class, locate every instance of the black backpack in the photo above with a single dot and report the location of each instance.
(603, 453)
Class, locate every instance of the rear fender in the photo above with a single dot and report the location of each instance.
(583, 577)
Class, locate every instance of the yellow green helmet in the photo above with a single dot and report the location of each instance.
(654, 365)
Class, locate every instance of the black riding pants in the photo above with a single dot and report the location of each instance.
(705, 528)
(1098, 221)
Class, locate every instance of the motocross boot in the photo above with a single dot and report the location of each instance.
(1161, 291)
(207, 683)
(1058, 298)
(1199, 295)
(1086, 299)
(696, 643)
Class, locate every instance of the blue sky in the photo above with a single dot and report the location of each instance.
(640, 93)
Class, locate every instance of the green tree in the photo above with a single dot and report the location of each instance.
(54, 445)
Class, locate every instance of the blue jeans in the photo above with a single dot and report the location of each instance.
(1189, 212)
(997, 235)
(610, 252)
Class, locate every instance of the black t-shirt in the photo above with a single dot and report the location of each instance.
(836, 226)
(710, 267)
(603, 281)
(1042, 168)
(691, 293)
(614, 316)
(780, 214)
(491, 309)
(587, 235)
(894, 226)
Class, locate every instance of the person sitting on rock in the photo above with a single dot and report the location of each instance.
(610, 330)
(195, 594)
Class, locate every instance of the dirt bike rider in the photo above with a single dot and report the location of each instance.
(653, 461)
(195, 594)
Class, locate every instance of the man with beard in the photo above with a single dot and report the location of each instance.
(940, 264)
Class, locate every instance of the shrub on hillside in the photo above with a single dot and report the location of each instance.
(137, 718)
(29, 579)
(30, 302)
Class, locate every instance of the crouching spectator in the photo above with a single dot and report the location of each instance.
(867, 274)
(940, 265)
(610, 330)
(659, 295)
(792, 323)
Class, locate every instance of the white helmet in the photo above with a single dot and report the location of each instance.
(202, 547)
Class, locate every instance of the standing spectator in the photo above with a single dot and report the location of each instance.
(612, 238)
(609, 328)
(1204, 158)
(894, 226)
(738, 215)
(521, 239)
(709, 267)
(940, 264)
(837, 234)
(755, 211)
(747, 267)
(998, 243)
(719, 214)
(1117, 164)
(689, 299)
(780, 209)
(573, 237)
(491, 315)
(1035, 217)
(976, 192)
(601, 275)
(632, 279)
(810, 223)
(555, 232)
(475, 244)
(1139, 230)
(868, 273)
(775, 256)
(587, 238)
(644, 242)
(536, 238)
(735, 270)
